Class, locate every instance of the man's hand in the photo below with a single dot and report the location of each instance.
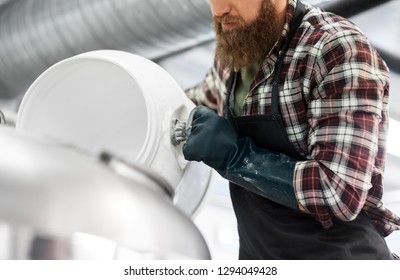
(215, 142)
(212, 139)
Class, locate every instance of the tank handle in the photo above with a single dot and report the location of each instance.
(116, 163)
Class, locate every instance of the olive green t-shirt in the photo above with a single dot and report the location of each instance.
(245, 79)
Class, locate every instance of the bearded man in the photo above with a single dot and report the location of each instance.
(296, 119)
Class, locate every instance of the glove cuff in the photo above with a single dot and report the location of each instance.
(266, 173)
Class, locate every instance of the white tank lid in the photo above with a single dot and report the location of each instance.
(121, 103)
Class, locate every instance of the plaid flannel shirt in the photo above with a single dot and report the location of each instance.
(333, 98)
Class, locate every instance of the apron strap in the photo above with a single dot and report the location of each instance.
(297, 19)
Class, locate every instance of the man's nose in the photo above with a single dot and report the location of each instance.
(220, 7)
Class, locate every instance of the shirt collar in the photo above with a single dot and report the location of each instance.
(273, 54)
(289, 17)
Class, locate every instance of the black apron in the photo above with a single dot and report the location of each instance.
(268, 230)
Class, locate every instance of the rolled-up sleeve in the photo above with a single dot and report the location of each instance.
(210, 92)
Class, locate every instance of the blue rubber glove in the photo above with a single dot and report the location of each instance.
(215, 142)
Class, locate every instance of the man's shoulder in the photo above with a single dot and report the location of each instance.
(323, 32)
(325, 25)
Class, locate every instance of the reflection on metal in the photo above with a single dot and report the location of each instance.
(21, 243)
(2, 119)
(348, 8)
(392, 60)
(36, 34)
(58, 203)
(3, 2)
(5, 120)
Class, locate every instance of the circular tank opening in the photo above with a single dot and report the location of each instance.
(86, 101)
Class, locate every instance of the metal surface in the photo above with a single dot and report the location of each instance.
(2, 118)
(36, 34)
(349, 8)
(392, 60)
(111, 100)
(51, 196)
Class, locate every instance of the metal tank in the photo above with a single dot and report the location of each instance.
(56, 202)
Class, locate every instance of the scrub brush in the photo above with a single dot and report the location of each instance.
(180, 130)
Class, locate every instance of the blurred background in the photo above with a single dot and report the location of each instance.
(177, 35)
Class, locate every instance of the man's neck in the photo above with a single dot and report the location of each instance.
(281, 8)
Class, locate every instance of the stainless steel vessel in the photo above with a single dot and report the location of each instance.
(60, 203)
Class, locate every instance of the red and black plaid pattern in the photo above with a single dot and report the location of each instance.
(334, 91)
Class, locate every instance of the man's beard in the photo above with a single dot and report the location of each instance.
(246, 44)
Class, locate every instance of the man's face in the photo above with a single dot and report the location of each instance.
(245, 30)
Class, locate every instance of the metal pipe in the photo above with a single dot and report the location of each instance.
(392, 60)
(36, 34)
(3, 2)
(349, 8)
